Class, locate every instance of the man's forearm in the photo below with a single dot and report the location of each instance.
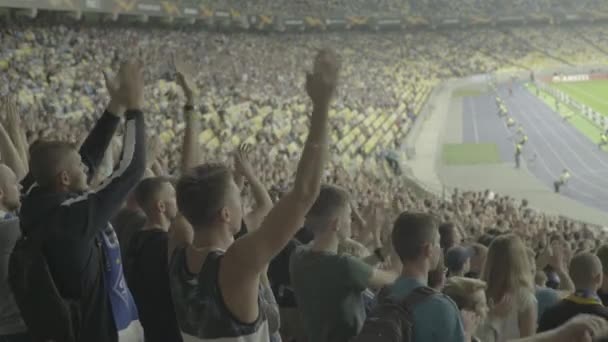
(10, 155)
(315, 154)
(94, 146)
(190, 150)
(566, 283)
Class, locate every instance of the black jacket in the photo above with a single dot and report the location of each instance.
(74, 221)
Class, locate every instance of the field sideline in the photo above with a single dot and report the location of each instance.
(590, 93)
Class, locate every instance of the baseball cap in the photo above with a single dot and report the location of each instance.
(456, 257)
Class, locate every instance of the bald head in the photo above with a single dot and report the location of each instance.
(586, 271)
(9, 189)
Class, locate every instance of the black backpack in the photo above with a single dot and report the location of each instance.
(393, 321)
(48, 316)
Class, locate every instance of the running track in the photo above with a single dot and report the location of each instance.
(553, 144)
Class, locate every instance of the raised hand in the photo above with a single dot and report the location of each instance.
(184, 73)
(126, 89)
(242, 163)
(321, 83)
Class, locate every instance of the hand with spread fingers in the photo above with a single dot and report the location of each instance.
(126, 89)
(242, 163)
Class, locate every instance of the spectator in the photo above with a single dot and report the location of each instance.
(333, 309)
(469, 295)
(12, 327)
(478, 259)
(508, 274)
(602, 253)
(438, 276)
(76, 220)
(215, 282)
(450, 236)
(458, 260)
(416, 241)
(586, 273)
(545, 297)
(146, 264)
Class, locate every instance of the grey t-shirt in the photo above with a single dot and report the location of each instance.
(10, 318)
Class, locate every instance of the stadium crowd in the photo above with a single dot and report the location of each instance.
(252, 201)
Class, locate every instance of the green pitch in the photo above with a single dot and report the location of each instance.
(591, 93)
(466, 154)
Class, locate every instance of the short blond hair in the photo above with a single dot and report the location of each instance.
(462, 291)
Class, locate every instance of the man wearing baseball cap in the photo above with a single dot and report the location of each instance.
(458, 261)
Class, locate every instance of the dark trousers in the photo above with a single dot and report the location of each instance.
(517, 159)
(557, 184)
(21, 337)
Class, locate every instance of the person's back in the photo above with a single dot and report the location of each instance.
(434, 318)
(147, 262)
(586, 273)
(328, 291)
(147, 273)
(79, 244)
(11, 322)
(416, 240)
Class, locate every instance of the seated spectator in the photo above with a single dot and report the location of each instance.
(416, 241)
(333, 309)
(586, 273)
(146, 262)
(215, 282)
(12, 327)
(508, 275)
(458, 261)
(470, 297)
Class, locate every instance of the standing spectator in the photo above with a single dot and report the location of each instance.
(458, 261)
(508, 273)
(545, 297)
(332, 309)
(146, 262)
(416, 241)
(215, 282)
(12, 327)
(602, 254)
(586, 273)
(75, 219)
(478, 260)
(450, 236)
(469, 295)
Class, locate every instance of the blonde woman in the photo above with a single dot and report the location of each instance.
(469, 295)
(509, 278)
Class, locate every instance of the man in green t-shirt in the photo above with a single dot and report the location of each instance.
(328, 286)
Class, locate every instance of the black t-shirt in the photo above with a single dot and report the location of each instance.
(147, 273)
(567, 308)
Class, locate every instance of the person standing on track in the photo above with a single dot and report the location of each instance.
(603, 140)
(518, 150)
(510, 122)
(563, 180)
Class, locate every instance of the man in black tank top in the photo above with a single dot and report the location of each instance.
(215, 282)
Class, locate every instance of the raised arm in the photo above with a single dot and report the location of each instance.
(190, 148)
(263, 203)
(100, 205)
(248, 256)
(9, 154)
(14, 130)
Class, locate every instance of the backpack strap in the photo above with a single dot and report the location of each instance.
(419, 295)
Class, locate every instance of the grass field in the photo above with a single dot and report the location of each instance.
(591, 93)
(466, 154)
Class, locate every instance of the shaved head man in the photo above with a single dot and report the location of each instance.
(11, 324)
(586, 273)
